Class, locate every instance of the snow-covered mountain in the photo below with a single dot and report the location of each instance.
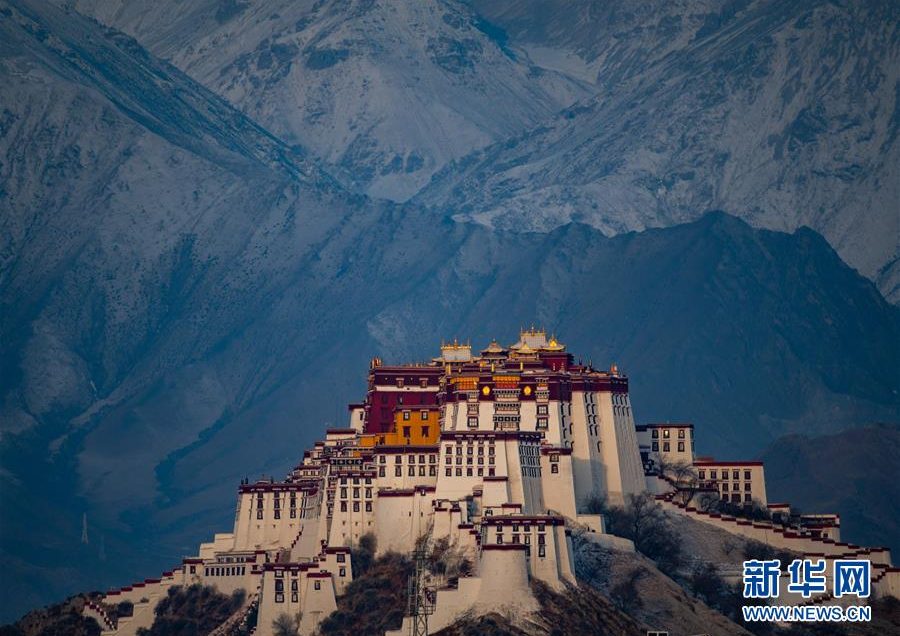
(186, 298)
(387, 91)
(783, 113)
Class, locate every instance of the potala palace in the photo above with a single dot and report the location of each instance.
(496, 454)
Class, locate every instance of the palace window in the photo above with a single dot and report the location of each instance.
(432, 471)
(343, 506)
(735, 474)
(747, 474)
(277, 514)
(680, 447)
(665, 433)
(368, 506)
(259, 514)
(279, 597)
(747, 486)
(355, 506)
(712, 474)
(421, 471)
(542, 409)
(448, 472)
(295, 597)
(725, 485)
(666, 447)
(381, 471)
(423, 415)
(748, 498)
(654, 433)
(406, 431)
(542, 551)
(341, 557)
(342, 572)
(412, 471)
(459, 472)
(554, 468)
(399, 383)
(656, 446)
(317, 585)
(680, 433)
(424, 431)
(398, 471)
(473, 422)
(701, 474)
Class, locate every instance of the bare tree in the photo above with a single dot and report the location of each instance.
(686, 482)
(286, 625)
(708, 500)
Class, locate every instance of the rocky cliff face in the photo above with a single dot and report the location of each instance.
(783, 113)
(186, 297)
(386, 92)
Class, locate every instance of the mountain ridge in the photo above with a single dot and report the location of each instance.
(161, 311)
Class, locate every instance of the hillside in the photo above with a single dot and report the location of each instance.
(846, 473)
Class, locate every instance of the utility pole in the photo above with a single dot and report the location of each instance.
(420, 599)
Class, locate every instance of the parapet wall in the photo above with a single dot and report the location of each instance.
(779, 536)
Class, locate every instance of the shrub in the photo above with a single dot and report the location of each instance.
(625, 595)
(196, 609)
(363, 554)
(374, 602)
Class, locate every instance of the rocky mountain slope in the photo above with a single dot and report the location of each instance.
(783, 113)
(850, 472)
(387, 92)
(181, 288)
